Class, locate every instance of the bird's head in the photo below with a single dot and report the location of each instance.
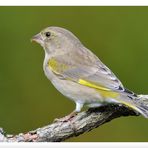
(55, 39)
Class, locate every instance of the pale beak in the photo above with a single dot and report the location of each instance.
(37, 38)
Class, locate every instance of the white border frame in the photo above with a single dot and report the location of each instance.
(74, 145)
(74, 2)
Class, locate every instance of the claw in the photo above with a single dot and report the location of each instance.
(66, 118)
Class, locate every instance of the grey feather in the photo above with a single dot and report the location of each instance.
(89, 68)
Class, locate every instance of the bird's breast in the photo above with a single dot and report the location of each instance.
(48, 72)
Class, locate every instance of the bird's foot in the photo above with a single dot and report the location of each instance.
(66, 118)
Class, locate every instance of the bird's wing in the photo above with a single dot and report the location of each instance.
(95, 75)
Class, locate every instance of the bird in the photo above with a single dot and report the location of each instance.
(77, 73)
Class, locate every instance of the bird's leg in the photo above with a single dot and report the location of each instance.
(71, 115)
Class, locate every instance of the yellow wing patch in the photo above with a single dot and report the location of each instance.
(86, 83)
(56, 67)
(105, 92)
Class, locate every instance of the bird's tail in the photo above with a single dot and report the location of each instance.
(139, 104)
(142, 105)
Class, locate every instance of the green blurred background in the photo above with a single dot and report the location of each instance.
(117, 35)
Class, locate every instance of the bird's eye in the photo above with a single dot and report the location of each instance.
(48, 34)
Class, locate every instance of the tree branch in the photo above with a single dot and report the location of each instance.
(82, 122)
